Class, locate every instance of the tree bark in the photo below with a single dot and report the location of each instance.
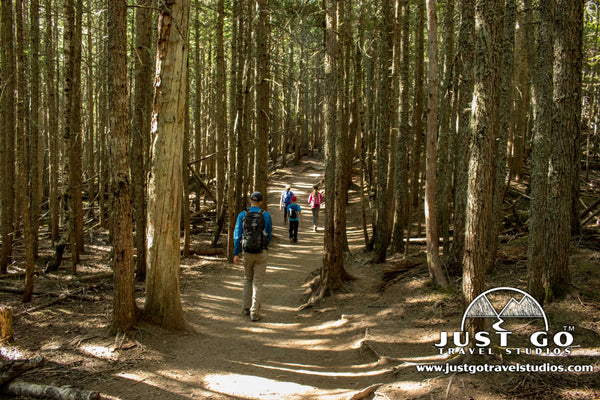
(384, 135)
(35, 155)
(141, 127)
(331, 271)
(542, 94)
(7, 104)
(566, 126)
(24, 195)
(124, 308)
(482, 161)
(433, 258)
(401, 182)
(51, 95)
(465, 43)
(163, 303)
(221, 112)
(263, 94)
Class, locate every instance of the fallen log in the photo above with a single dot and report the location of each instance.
(48, 392)
(10, 369)
(207, 251)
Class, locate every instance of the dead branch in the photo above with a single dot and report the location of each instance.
(27, 389)
(201, 182)
(590, 208)
(60, 298)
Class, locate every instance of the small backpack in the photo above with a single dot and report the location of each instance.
(317, 199)
(293, 213)
(287, 198)
(253, 226)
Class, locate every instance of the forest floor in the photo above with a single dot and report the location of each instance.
(375, 333)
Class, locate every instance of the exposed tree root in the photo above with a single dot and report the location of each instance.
(365, 392)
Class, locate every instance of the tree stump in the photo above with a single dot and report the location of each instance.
(6, 324)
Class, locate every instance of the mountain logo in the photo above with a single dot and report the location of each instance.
(520, 305)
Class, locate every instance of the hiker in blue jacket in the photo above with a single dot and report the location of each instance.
(286, 200)
(252, 235)
(294, 216)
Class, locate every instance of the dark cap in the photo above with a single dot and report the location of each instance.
(294, 198)
(256, 196)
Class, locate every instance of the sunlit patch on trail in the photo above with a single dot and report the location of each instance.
(248, 386)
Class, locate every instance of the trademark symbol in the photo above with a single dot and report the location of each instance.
(569, 328)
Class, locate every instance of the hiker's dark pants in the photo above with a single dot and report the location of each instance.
(285, 213)
(294, 230)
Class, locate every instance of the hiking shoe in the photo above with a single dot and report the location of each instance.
(291, 240)
(246, 311)
(255, 317)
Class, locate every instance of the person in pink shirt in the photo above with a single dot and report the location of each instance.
(315, 199)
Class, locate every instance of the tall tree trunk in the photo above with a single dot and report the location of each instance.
(465, 44)
(234, 100)
(481, 161)
(23, 166)
(401, 184)
(89, 148)
(388, 117)
(446, 136)
(7, 104)
(51, 95)
(418, 105)
(124, 308)
(566, 126)
(433, 257)
(263, 94)
(141, 128)
(221, 114)
(163, 303)
(72, 123)
(185, 174)
(542, 94)
(331, 272)
(35, 156)
(76, 154)
(506, 117)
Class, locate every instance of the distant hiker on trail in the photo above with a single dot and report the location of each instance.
(315, 198)
(286, 200)
(294, 216)
(253, 232)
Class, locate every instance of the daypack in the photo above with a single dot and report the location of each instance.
(293, 213)
(287, 197)
(317, 199)
(253, 226)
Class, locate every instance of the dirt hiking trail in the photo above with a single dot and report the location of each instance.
(289, 354)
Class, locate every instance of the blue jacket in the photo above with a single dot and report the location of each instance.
(237, 234)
